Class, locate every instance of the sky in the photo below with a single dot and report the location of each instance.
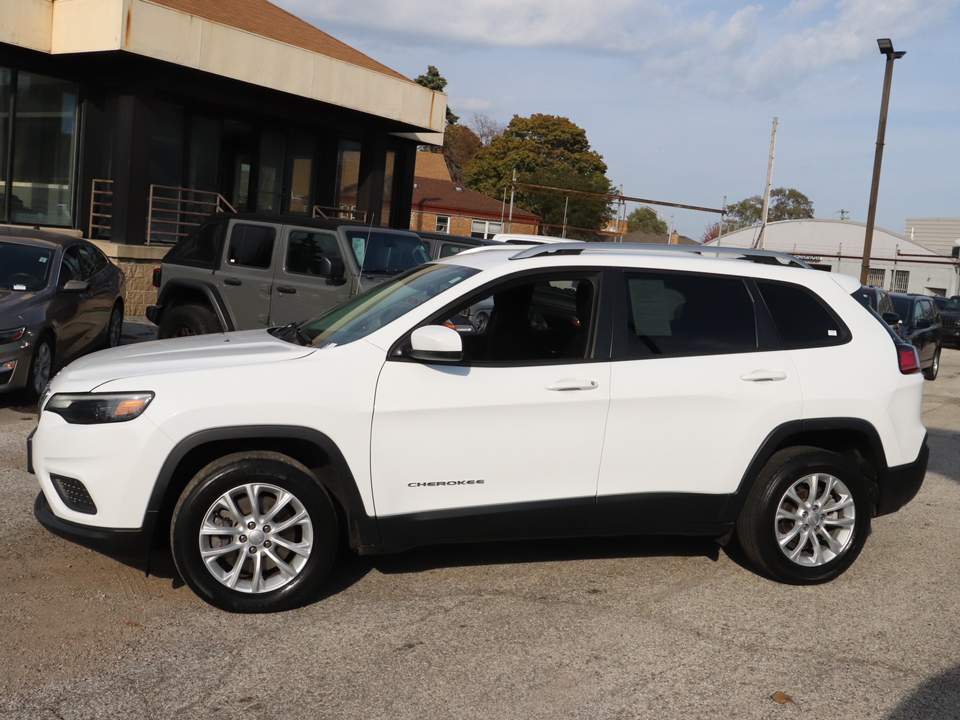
(679, 97)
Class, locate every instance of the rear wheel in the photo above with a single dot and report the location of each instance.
(931, 372)
(186, 320)
(115, 326)
(254, 532)
(807, 517)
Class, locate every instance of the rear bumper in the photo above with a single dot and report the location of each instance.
(153, 313)
(899, 485)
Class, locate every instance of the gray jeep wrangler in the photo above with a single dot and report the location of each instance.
(247, 270)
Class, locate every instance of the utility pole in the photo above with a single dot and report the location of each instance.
(766, 195)
(843, 214)
(512, 187)
(886, 47)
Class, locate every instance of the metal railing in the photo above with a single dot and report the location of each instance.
(339, 213)
(175, 211)
(101, 208)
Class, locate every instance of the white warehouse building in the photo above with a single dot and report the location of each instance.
(896, 263)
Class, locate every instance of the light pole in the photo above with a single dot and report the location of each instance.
(886, 47)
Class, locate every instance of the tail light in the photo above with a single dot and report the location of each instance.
(156, 277)
(908, 359)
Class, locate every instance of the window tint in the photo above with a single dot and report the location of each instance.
(305, 250)
(447, 250)
(802, 320)
(200, 246)
(23, 267)
(92, 260)
(251, 245)
(71, 268)
(677, 314)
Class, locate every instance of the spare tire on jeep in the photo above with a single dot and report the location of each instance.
(185, 320)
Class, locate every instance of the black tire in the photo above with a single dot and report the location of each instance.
(186, 320)
(238, 580)
(931, 372)
(760, 526)
(41, 366)
(114, 329)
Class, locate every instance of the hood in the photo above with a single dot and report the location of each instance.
(179, 354)
(14, 304)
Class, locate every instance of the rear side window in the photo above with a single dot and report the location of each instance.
(200, 247)
(251, 245)
(675, 314)
(802, 319)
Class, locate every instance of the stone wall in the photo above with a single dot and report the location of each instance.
(138, 263)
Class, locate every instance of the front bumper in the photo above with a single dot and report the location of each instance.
(120, 544)
(899, 485)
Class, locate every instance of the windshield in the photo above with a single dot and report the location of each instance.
(953, 305)
(901, 306)
(382, 304)
(385, 253)
(23, 267)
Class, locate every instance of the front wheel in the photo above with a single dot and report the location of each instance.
(187, 320)
(807, 517)
(254, 532)
(41, 366)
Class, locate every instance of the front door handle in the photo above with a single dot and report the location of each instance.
(286, 290)
(573, 384)
(231, 281)
(764, 376)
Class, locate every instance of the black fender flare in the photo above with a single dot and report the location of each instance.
(208, 289)
(779, 438)
(362, 527)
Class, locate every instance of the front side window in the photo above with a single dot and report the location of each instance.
(71, 267)
(23, 267)
(251, 246)
(306, 251)
(382, 304)
(676, 314)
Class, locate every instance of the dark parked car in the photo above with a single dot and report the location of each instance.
(939, 301)
(878, 300)
(920, 326)
(60, 297)
(950, 321)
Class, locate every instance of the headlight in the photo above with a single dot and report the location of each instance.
(12, 334)
(94, 408)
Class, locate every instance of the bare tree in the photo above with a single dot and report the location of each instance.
(485, 128)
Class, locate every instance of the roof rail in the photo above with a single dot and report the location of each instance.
(763, 257)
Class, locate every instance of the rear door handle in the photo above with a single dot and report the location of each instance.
(573, 384)
(231, 281)
(764, 376)
(286, 290)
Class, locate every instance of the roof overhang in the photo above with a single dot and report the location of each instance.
(162, 33)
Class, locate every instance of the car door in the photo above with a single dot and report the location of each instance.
(300, 290)
(508, 440)
(697, 384)
(102, 291)
(70, 312)
(246, 276)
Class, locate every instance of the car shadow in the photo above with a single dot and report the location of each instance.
(944, 453)
(936, 698)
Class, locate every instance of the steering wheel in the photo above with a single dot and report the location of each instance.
(21, 278)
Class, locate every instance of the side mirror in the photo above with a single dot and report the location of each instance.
(923, 324)
(75, 286)
(332, 268)
(436, 343)
(891, 318)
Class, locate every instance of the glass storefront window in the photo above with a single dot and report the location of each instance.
(45, 150)
(204, 154)
(6, 79)
(387, 188)
(166, 144)
(270, 177)
(300, 153)
(348, 176)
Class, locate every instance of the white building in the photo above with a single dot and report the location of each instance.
(896, 263)
(941, 235)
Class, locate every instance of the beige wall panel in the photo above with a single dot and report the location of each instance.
(256, 60)
(164, 34)
(27, 23)
(87, 25)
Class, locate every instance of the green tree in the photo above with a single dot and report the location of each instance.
(550, 151)
(785, 204)
(433, 80)
(645, 219)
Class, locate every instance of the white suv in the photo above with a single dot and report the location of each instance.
(613, 391)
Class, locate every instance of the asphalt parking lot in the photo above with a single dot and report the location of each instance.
(615, 628)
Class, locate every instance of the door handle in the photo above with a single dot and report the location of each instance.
(764, 376)
(573, 384)
(231, 281)
(286, 290)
